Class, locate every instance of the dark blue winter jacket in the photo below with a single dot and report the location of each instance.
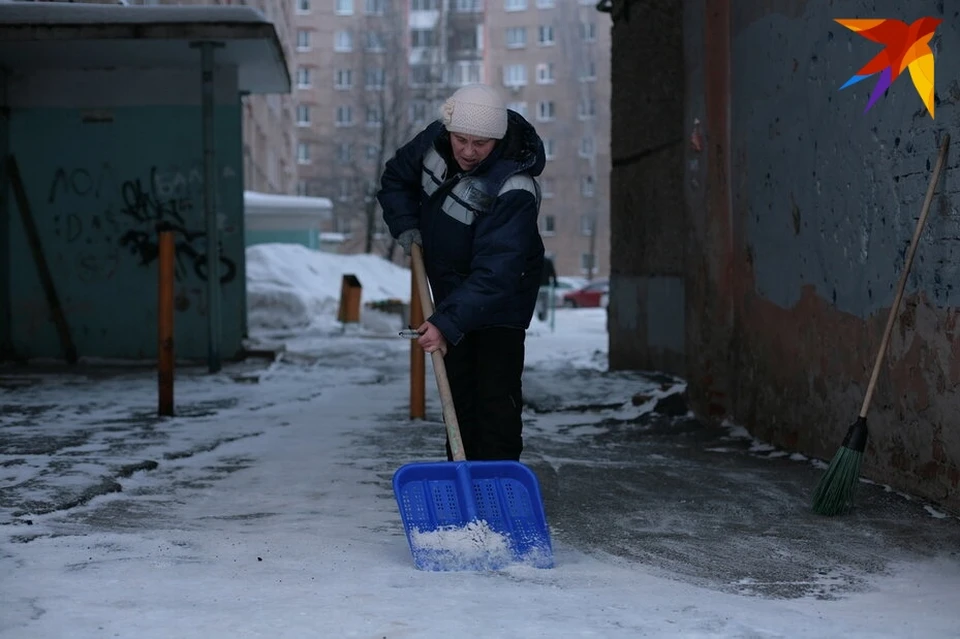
(481, 240)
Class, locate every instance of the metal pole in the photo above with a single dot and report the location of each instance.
(553, 306)
(210, 204)
(418, 359)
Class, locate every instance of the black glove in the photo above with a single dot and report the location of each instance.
(407, 238)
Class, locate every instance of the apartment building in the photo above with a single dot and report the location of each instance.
(552, 60)
(269, 134)
(371, 73)
(351, 95)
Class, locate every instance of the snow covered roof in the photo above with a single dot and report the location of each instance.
(57, 35)
(256, 203)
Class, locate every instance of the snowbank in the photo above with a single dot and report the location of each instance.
(290, 286)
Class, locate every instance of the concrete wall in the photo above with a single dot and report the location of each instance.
(800, 208)
(647, 225)
(6, 312)
(101, 170)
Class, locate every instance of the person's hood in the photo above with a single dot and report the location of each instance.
(522, 146)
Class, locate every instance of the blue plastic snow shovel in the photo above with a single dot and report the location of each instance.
(468, 515)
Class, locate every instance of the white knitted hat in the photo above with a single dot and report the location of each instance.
(475, 109)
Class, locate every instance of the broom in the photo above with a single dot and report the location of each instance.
(836, 489)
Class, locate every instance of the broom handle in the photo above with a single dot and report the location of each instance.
(903, 276)
(439, 368)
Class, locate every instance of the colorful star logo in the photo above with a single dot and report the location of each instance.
(907, 47)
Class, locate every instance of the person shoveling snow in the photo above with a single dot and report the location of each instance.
(477, 226)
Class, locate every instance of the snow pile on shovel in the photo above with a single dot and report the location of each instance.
(475, 546)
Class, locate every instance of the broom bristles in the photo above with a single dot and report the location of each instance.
(838, 486)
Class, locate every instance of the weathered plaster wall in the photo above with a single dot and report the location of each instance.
(825, 199)
(105, 156)
(799, 209)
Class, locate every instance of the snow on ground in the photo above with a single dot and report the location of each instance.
(295, 291)
(292, 287)
(264, 508)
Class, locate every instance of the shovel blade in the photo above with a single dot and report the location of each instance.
(478, 515)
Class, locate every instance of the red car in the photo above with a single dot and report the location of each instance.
(589, 296)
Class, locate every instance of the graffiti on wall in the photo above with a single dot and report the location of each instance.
(106, 217)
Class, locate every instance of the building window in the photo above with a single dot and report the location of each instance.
(547, 187)
(374, 116)
(464, 40)
(587, 224)
(375, 79)
(375, 42)
(549, 225)
(588, 72)
(345, 192)
(303, 153)
(302, 188)
(514, 75)
(303, 78)
(548, 4)
(424, 5)
(550, 148)
(587, 262)
(343, 79)
(303, 6)
(586, 186)
(545, 36)
(373, 151)
(546, 110)
(418, 112)
(303, 40)
(587, 146)
(462, 73)
(344, 115)
(343, 41)
(588, 31)
(587, 109)
(468, 6)
(375, 7)
(421, 75)
(519, 107)
(344, 7)
(303, 115)
(516, 37)
(545, 73)
(423, 38)
(514, 5)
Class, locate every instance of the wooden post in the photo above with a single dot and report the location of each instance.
(165, 299)
(418, 361)
(350, 294)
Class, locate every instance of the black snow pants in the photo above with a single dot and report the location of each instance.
(485, 370)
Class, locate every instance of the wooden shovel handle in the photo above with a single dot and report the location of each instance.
(895, 307)
(439, 368)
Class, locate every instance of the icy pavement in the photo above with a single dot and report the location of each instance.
(264, 509)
